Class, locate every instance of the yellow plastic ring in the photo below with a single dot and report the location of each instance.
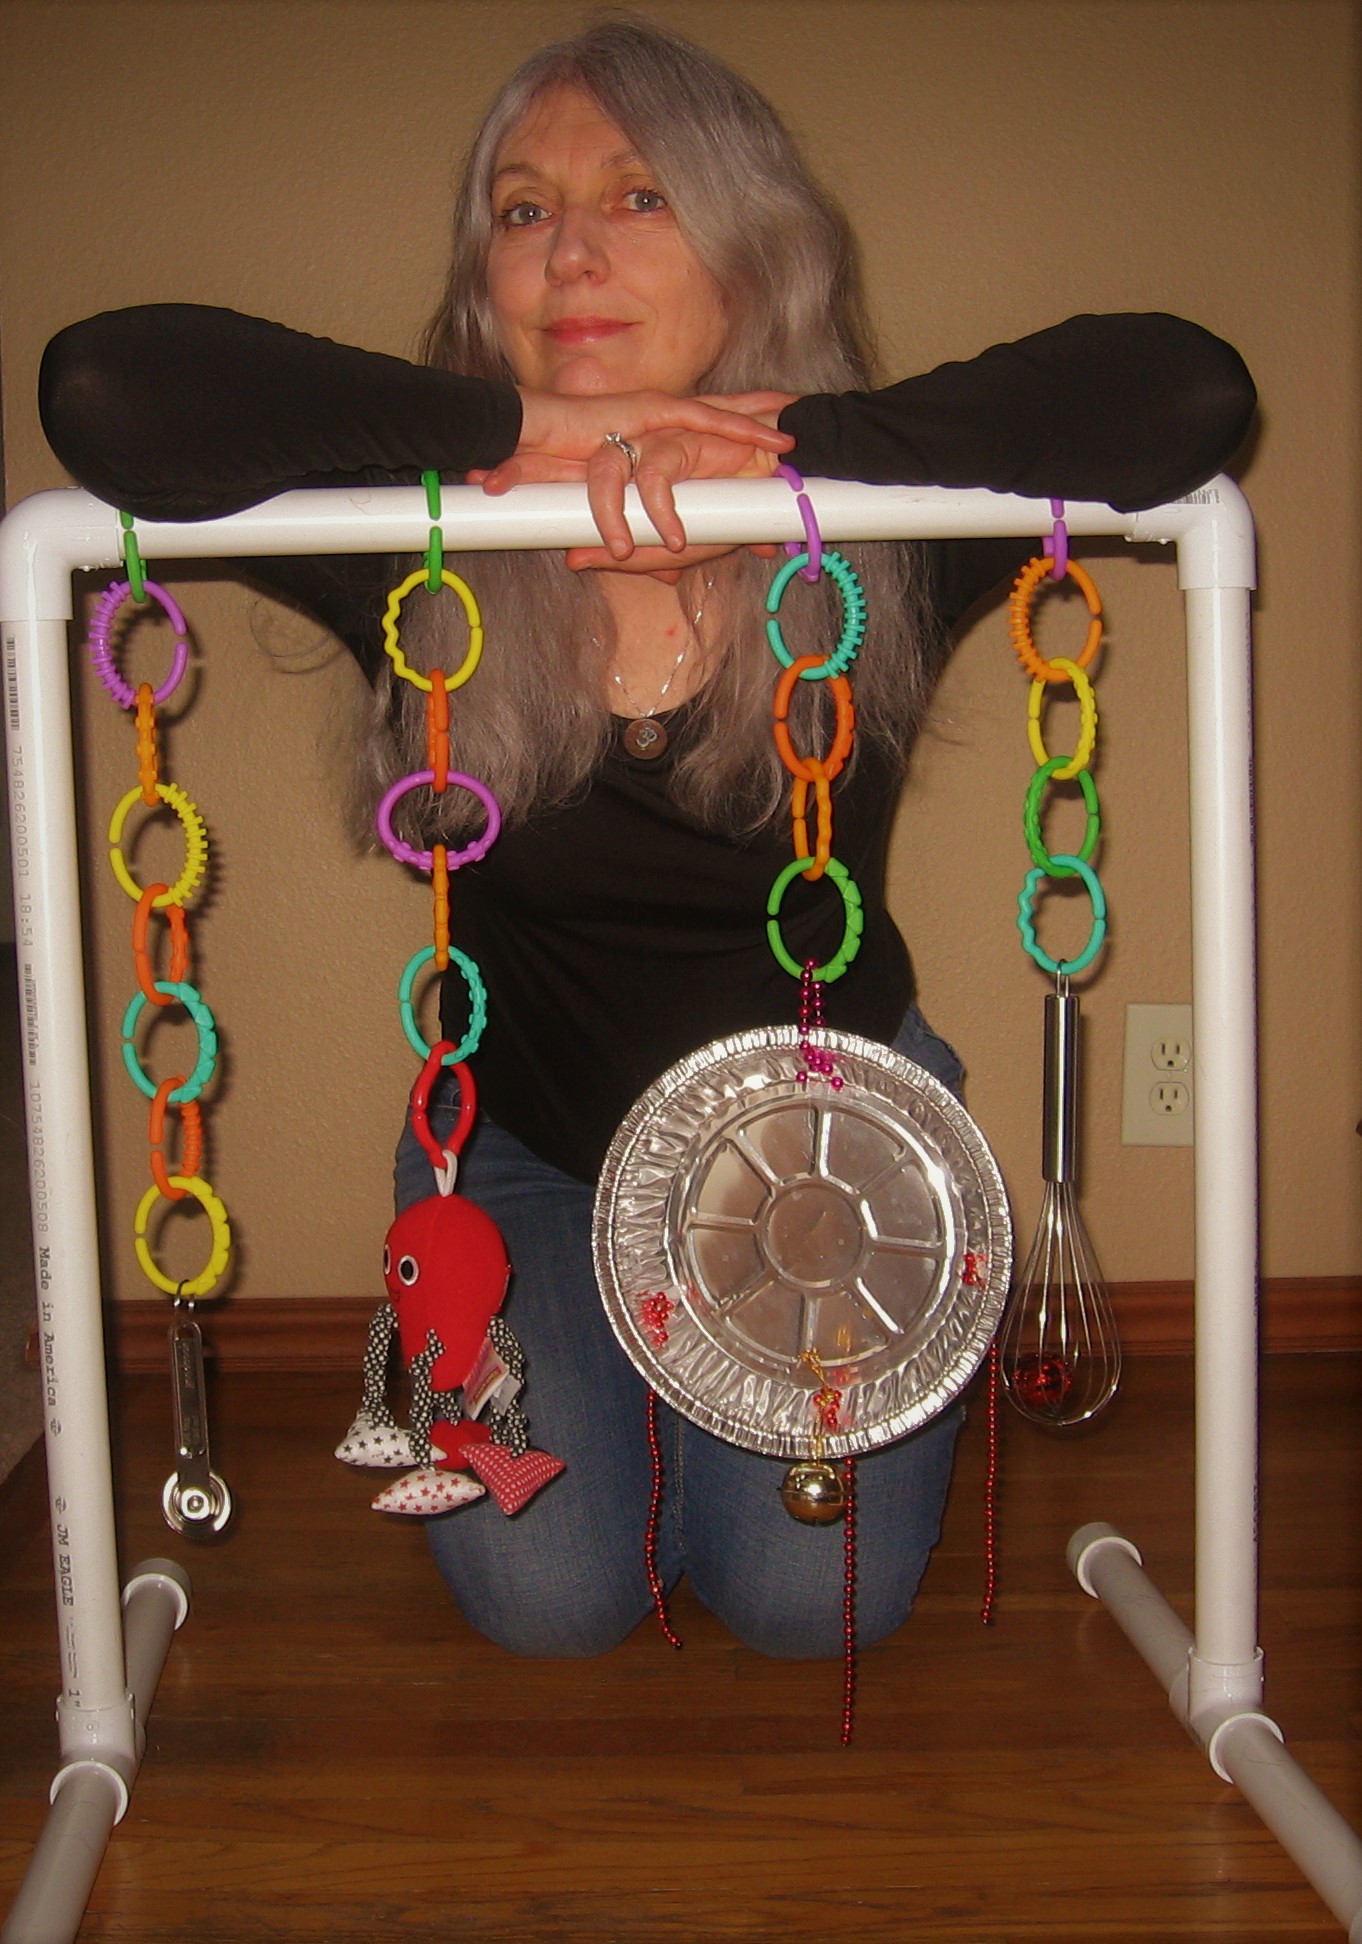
(1087, 728)
(207, 1278)
(392, 616)
(195, 838)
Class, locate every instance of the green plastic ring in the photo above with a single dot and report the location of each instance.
(853, 615)
(1026, 923)
(435, 552)
(855, 924)
(1035, 843)
(205, 1025)
(477, 996)
(132, 560)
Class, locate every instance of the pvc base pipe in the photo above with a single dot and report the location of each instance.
(1298, 1813)
(62, 1871)
(89, 1796)
(1244, 1747)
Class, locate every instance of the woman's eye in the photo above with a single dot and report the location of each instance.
(644, 201)
(519, 215)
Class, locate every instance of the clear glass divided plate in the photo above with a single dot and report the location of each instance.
(751, 1225)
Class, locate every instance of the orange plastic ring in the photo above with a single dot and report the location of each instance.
(439, 878)
(1019, 619)
(805, 768)
(821, 849)
(179, 950)
(192, 1119)
(437, 732)
(148, 756)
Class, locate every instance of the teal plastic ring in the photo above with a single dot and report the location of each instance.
(1035, 843)
(1026, 923)
(855, 918)
(477, 998)
(204, 1024)
(853, 615)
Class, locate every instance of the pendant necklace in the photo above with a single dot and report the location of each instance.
(644, 736)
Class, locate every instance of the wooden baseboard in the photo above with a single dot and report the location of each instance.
(1297, 1313)
(328, 1332)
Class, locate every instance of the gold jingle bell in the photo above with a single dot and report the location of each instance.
(814, 1492)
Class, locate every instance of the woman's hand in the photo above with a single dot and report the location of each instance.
(675, 438)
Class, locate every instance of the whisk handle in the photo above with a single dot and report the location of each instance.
(1059, 1135)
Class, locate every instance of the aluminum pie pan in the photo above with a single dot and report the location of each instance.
(772, 1215)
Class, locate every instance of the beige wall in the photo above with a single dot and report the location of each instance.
(1005, 165)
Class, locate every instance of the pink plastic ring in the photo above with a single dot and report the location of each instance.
(101, 643)
(813, 539)
(425, 860)
(1059, 542)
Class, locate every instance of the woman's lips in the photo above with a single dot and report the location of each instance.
(585, 330)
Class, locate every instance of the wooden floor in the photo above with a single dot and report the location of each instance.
(335, 1757)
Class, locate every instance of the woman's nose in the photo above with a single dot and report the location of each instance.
(579, 248)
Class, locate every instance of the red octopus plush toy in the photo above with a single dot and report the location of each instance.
(446, 1271)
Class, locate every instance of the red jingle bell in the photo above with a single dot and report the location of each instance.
(1042, 1383)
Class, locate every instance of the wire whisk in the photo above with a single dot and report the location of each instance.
(1060, 1352)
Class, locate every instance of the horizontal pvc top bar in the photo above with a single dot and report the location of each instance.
(50, 535)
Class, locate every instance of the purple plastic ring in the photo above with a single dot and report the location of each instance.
(101, 643)
(813, 539)
(425, 860)
(1059, 542)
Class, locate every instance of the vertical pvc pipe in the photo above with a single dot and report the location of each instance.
(1225, 1662)
(94, 1711)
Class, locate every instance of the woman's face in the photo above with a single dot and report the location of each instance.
(593, 286)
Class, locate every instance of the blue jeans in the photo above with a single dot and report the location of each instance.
(565, 1576)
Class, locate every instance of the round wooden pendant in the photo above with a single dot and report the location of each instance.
(645, 738)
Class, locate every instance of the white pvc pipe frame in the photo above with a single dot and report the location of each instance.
(1216, 1685)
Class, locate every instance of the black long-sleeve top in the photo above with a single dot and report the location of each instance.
(617, 935)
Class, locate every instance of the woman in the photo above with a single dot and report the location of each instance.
(638, 247)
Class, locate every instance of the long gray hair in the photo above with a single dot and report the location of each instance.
(535, 723)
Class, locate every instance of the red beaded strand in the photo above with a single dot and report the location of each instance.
(991, 1490)
(655, 1585)
(849, 1601)
(817, 1060)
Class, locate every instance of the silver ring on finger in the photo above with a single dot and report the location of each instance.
(618, 440)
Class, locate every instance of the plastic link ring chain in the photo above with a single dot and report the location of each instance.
(392, 616)
(195, 838)
(211, 1273)
(179, 947)
(425, 860)
(1031, 814)
(477, 1000)
(1059, 769)
(205, 1026)
(1087, 730)
(853, 615)
(440, 861)
(1073, 866)
(815, 861)
(1032, 576)
(851, 936)
(186, 1181)
(191, 1160)
(100, 641)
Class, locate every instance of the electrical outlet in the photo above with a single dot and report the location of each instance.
(1156, 1104)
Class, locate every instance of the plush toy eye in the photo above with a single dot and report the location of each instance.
(408, 1269)
(387, 1260)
